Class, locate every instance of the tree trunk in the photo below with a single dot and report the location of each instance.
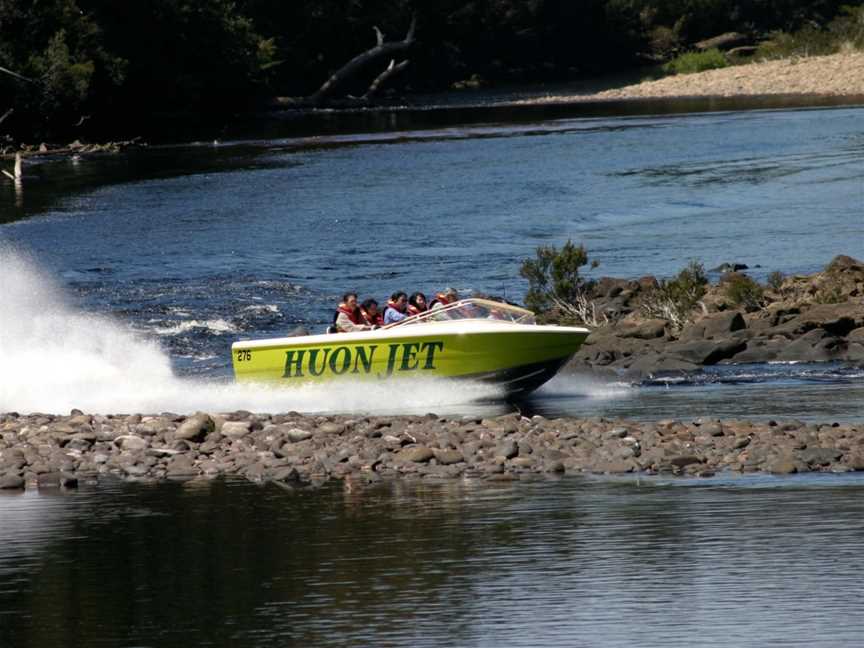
(351, 68)
(382, 78)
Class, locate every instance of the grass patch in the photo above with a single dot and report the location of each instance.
(692, 62)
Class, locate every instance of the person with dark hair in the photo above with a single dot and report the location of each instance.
(395, 311)
(370, 314)
(417, 304)
(347, 317)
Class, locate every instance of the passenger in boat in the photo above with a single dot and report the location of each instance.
(395, 311)
(370, 314)
(417, 304)
(443, 298)
(347, 318)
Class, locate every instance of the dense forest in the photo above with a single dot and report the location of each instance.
(109, 65)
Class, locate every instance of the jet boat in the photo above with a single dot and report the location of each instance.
(476, 339)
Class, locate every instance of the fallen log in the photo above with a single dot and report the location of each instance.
(74, 148)
(723, 41)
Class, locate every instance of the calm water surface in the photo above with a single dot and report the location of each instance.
(748, 561)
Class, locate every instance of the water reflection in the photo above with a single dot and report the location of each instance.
(564, 562)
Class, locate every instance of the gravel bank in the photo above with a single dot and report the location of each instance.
(834, 75)
(43, 451)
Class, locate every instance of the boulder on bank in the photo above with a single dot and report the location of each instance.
(809, 319)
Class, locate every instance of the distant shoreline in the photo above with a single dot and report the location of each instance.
(835, 75)
(819, 81)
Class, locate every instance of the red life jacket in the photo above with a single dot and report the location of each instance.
(413, 310)
(353, 315)
(378, 320)
(440, 298)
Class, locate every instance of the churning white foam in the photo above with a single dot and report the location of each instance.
(217, 326)
(54, 358)
(586, 386)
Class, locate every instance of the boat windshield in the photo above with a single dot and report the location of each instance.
(471, 309)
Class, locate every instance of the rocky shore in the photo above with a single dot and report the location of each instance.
(811, 318)
(44, 451)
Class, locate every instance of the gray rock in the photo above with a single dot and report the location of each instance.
(286, 474)
(180, 466)
(418, 454)
(331, 428)
(720, 325)
(647, 330)
(295, 435)
(506, 450)
(705, 352)
(132, 443)
(684, 460)
(195, 428)
(11, 482)
(235, 429)
(784, 465)
(820, 456)
(56, 480)
(447, 457)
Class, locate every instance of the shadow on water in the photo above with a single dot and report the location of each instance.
(544, 562)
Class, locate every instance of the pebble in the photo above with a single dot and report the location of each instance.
(303, 451)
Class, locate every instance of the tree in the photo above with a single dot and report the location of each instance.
(554, 278)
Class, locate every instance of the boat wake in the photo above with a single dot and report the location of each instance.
(56, 358)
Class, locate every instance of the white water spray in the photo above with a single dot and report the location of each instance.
(54, 358)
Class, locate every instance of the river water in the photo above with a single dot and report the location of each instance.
(129, 276)
(126, 278)
(748, 561)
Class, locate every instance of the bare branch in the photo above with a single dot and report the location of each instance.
(348, 70)
(382, 78)
(378, 35)
(5, 115)
(16, 75)
(16, 175)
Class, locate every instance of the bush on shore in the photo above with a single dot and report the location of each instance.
(676, 299)
(692, 62)
(744, 292)
(555, 283)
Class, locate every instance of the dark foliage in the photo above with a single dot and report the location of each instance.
(122, 62)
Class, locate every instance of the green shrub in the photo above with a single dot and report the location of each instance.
(554, 276)
(775, 281)
(742, 291)
(675, 299)
(696, 62)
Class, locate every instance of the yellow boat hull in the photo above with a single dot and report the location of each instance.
(519, 357)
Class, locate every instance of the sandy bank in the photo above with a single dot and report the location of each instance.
(834, 75)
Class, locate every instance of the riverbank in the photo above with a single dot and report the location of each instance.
(836, 75)
(43, 451)
(809, 318)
